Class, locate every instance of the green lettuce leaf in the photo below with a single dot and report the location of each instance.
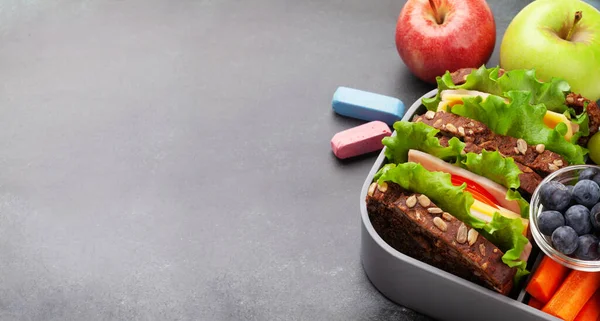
(513, 195)
(494, 166)
(519, 119)
(383, 170)
(522, 272)
(443, 82)
(419, 136)
(436, 185)
(551, 93)
(582, 120)
(505, 233)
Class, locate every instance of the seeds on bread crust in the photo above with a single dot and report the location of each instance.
(424, 200)
(372, 189)
(522, 146)
(447, 216)
(435, 210)
(540, 148)
(461, 234)
(411, 201)
(472, 236)
(439, 223)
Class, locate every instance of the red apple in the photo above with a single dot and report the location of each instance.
(433, 36)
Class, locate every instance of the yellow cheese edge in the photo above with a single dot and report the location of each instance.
(486, 212)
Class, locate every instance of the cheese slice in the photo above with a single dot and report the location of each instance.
(486, 212)
(552, 119)
(451, 97)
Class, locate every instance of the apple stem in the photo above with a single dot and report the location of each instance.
(578, 16)
(436, 13)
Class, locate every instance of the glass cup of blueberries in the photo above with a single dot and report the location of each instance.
(565, 217)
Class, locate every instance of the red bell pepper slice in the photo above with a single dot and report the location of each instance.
(478, 192)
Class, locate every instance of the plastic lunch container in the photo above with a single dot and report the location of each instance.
(427, 289)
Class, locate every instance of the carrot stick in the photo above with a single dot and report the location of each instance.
(535, 303)
(546, 279)
(573, 294)
(591, 310)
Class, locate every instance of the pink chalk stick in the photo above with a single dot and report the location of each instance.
(360, 140)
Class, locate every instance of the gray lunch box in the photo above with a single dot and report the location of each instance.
(427, 289)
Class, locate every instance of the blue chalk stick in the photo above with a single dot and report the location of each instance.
(367, 106)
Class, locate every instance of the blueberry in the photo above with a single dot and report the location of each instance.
(587, 247)
(565, 239)
(572, 202)
(586, 192)
(578, 218)
(595, 217)
(550, 221)
(596, 179)
(570, 188)
(555, 196)
(587, 173)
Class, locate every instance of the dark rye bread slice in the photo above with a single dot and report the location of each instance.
(577, 102)
(414, 225)
(468, 130)
(573, 100)
(529, 180)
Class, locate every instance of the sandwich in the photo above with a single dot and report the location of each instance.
(584, 109)
(455, 190)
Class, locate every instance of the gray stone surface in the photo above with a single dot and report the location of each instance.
(170, 160)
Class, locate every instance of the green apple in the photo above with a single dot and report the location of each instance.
(557, 38)
(594, 148)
